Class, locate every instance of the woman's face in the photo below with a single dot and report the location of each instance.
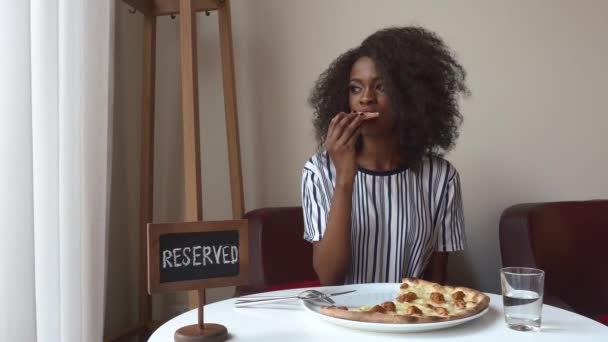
(367, 94)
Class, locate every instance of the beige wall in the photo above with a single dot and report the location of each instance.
(533, 130)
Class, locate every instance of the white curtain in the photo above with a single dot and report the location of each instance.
(55, 103)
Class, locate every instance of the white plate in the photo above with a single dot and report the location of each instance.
(370, 295)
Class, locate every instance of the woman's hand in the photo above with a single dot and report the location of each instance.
(342, 134)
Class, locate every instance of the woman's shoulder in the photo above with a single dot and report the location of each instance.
(318, 163)
(437, 165)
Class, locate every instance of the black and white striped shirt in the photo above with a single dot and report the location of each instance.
(399, 217)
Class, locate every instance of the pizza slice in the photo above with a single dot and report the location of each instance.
(368, 115)
(418, 301)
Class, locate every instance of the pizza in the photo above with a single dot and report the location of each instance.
(368, 115)
(418, 301)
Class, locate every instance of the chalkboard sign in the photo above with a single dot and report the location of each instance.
(194, 255)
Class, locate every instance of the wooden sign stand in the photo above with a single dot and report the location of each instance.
(201, 332)
(187, 10)
(174, 264)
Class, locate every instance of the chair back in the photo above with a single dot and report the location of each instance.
(279, 257)
(569, 241)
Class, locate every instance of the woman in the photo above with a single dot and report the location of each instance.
(380, 203)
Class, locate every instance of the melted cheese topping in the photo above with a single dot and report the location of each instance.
(424, 298)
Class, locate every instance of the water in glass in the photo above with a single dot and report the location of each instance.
(523, 309)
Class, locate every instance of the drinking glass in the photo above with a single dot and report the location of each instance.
(522, 296)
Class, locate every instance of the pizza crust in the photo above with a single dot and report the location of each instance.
(376, 317)
(480, 300)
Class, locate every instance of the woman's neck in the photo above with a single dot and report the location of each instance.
(380, 153)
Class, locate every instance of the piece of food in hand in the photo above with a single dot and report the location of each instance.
(418, 301)
(368, 115)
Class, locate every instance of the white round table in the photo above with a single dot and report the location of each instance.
(289, 321)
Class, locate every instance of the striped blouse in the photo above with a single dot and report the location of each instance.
(399, 217)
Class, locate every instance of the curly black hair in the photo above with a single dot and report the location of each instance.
(423, 81)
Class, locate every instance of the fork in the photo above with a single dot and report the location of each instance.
(304, 295)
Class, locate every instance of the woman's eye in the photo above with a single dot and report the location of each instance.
(380, 87)
(354, 89)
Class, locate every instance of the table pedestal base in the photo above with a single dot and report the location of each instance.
(192, 333)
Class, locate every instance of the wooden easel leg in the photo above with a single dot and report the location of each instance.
(190, 121)
(232, 122)
(147, 162)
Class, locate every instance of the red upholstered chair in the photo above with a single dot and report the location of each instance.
(569, 240)
(279, 257)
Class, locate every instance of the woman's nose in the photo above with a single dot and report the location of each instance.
(369, 96)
